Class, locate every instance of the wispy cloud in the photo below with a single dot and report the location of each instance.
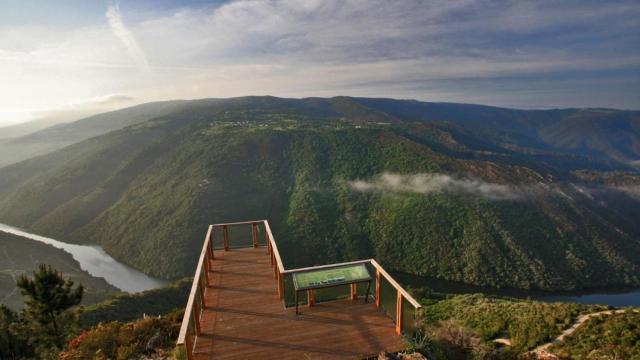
(538, 53)
(120, 30)
(436, 183)
(633, 190)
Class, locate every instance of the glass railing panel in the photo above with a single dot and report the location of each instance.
(240, 236)
(388, 298)
(408, 318)
(374, 283)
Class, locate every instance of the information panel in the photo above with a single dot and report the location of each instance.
(331, 277)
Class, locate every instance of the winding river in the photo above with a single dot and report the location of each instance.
(613, 297)
(94, 260)
(98, 263)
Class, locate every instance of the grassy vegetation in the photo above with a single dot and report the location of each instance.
(156, 185)
(526, 323)
(128, 307)
(126, 340)
(604, 337)
(20, 256)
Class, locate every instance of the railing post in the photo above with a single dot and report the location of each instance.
(280, 284)
(378, 286)
(202, 288)
(206, 269)
(354, 292)
(310, 299)
(225, 237)
(188, 347)
(399, 309)
(266, 239)
(196, 318)
(272, 258)
(254, 234)
(211, 242)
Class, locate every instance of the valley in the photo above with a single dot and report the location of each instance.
(95, 261)
(320, 180)
(21, 256)
(488, 204)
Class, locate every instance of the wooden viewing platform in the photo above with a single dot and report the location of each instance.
(237, 309)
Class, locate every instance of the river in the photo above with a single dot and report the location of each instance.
(94, 260)
(613, 297)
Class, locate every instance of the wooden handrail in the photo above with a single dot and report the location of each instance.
(274, 247)
(395, 284)
(195, 288)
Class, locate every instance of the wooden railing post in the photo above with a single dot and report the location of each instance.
(354, 292)
(206, 269)
(202, 288)
(211, 242)
(196, 318)
(266, 239)
(399, 313)
(188, 347)
(280, 283)
(225, 237)
(254, 234)
(378, 286)
(310, 299)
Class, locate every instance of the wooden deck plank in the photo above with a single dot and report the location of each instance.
(244, 319)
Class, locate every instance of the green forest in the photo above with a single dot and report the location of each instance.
(157, 184)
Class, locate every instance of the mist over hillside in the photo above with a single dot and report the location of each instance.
(460, 192)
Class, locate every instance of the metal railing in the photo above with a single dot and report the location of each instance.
(388, 294)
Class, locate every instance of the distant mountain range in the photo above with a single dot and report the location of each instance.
(490, 196)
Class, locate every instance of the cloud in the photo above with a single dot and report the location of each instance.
(120, 30)
(435, 183)
(633, 190)
(105, 100)
(516, 53)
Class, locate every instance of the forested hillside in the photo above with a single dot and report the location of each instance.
(341, 179)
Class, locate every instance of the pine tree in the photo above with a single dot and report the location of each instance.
(49, 303)
(12, 345)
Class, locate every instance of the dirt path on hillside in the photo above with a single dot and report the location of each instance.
(543, 350)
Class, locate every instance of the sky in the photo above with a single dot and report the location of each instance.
(66, 54)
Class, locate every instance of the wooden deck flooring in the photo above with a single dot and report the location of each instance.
(244, 319)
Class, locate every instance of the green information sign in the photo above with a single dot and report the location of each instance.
(335, 276)
(330, 277)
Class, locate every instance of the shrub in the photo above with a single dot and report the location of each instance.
(117, 340)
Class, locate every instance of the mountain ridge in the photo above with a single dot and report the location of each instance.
(156, 184)
(516, 121)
